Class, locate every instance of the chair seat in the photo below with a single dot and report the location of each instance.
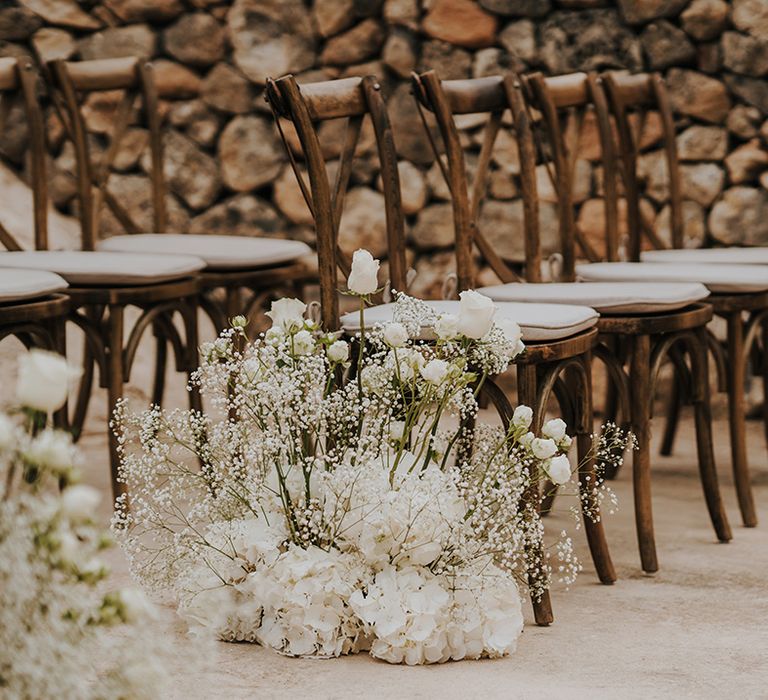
(218, 252)
(105, 269)
(20, 285)
(725, 279)
(604, 297)
(539, 322)
(732, 256)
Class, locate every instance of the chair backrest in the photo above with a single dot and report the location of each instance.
(18, 76)
(563, 102)
(636, 94)
(306, 107)
(493, 95)
(131, 79)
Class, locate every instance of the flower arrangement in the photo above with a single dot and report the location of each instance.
(54, 617)
(343, 497)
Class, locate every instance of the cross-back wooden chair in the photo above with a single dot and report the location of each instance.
(101, 286)
(739, 293)
(32, 307)
(638, 315)
(241, 273)
(308, 105)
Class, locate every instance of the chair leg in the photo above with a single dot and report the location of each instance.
(737, 418)
(640, 406)
(161, 361)
(58, 334)
(527, 390)
(673, 416)
(593, 522)
(114, 388)
(190, 317)
(764, 374)
(705, 448)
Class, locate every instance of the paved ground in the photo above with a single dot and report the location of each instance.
(698, 628)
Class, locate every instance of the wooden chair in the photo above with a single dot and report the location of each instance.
(101, 286)
(638, 316)
(234, 265)
(542, 362)
(737, 291)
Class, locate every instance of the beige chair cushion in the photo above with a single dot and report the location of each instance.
(732, 256)
(539, 322)
(105, 269)
(219, 252)
(18, 285)
(605, 297)
(729, 279)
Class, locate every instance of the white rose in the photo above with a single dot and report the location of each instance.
(43, 380)
(338, 351)
(136, 605)
(7, 432)
(79, 502)
(395, 334)
(435, 371)
(554, 429)
(52, 449)
(363, 277)
(475, 314)
(447, 326)
(511, 329)
(303, 343)
(558, 469)
(543, 448)
(287, 314)
(522, 417)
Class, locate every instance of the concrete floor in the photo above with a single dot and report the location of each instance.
(698, 628)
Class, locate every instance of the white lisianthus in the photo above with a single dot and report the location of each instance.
(79, 502)
(395, 335)
(303, 343)
(363, 277)
(447, 326)
(522, 417)
(8, 432)
(543, 448)
(338, 351)
(554, 429)
(511, 329)
(287, 314)
(558, 469)
(52, 449)
(136, 606)
(476, 313)
(43, 380)
(435, 371)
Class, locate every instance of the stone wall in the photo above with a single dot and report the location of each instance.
(228, 172)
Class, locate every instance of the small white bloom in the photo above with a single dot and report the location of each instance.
(435, 371)
(70, 549)
(303, 343)
(447, 326)
(338, 351)
(287, 314)
(476, 313)
(363, 277)
(554, 429)
(543, 448)
(558, 469)
(136, 605)
(52, 449)
(511, 330)
(395, 335)
(43, 380)
(274, 336)
(79, 502)
(396, 429)
(522, 417)
(527, 440)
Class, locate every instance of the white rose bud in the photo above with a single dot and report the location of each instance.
(475, 314)
(522, 417)
(338, 351)
(527, 440)
(565, 442)
(435, 371)
(554, 429)
(287, 314)
(79, 502)
(543, 448)
(395, 335)
(43, 380)
(447, 326)
(558, 469)
(136, 605)
(52, 449)
(363, 277)
(303, 343)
